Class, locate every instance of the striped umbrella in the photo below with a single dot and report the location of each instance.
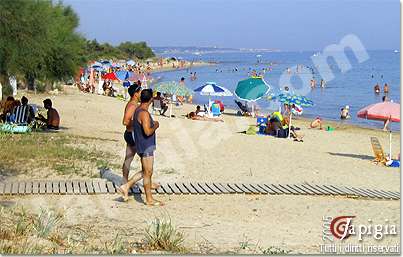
(212, 89)
(290, 99)
(294, 99)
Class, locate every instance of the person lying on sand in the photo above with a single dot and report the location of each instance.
(317, 122)
(199, 112)
(193, 116)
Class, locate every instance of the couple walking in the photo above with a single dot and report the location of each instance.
(140, 139)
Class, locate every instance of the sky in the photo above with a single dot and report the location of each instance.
(292, 25)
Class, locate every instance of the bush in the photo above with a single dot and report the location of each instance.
(161, 234)
(40, 87)
(7, 90)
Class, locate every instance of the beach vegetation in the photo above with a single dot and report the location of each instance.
(161, 234)
(39, 42)
(60, 154)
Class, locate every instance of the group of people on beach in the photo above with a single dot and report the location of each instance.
(140, 137)
(20, 112)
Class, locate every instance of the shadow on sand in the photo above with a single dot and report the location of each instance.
(350, 155)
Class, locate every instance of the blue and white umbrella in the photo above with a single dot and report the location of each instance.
(212, 89)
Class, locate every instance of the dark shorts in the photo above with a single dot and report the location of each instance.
(128, 136)
(146, 154)
(52, 127)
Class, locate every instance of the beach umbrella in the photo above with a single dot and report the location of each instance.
(290, 99)
(172, 88)
(212, 89)
(383, 111)
(130, 62)
(251, 89)
(110, 76)
(122, 75)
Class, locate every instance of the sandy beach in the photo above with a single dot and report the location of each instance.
(217, 152)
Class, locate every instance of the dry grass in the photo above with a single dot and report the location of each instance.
(46, 232)
(162, 235)
(59, 154)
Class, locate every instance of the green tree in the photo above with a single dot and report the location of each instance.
(138, 50)
(38, 40)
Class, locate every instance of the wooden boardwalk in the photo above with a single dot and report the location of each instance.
(103, 186)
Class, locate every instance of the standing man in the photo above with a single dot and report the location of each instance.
(134, 92)
(144, 128)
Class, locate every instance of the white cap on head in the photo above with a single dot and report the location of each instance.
(347, 107)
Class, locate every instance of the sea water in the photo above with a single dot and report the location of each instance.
(354, 87)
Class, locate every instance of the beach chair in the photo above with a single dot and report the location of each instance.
(380, 156)
(261, 122)
(243, 108)
(157, 106)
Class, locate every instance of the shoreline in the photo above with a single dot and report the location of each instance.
(171, 69)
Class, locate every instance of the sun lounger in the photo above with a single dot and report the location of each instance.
(22, 114)
(243, 108)
(380, 156)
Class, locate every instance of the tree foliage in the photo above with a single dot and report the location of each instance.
(126, 50)
(38, 40)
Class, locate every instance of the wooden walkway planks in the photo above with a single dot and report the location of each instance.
(69, 187)
(28, 187)
(35, 187)
(111, 188)
(103, 187)
(63, 187)
(189, 187)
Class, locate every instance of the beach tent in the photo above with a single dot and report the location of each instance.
(212, 89)
(383, 111)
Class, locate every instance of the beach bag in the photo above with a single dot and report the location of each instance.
(282, 133)
(251, 130)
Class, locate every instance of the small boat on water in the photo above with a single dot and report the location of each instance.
(396, 51)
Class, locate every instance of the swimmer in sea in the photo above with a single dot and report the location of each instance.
(377, 88)
(386, 88)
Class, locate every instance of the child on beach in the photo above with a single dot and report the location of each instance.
(316, 123)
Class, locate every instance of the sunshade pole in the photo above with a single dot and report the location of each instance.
(390, 144)
(289, 126)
